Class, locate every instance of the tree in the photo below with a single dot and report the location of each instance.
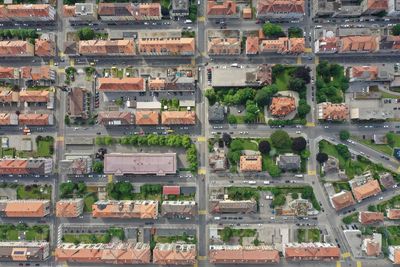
(295, 195)
(303, 109)
(81, 187)
(391, 139)
(344, 135)
(264, 147)
(279, 200)
(299, 144)
(303, 73)
(226, 234)
(322, 157)
(211, 96)
(343, 151)
(67, 188)
(274, 171)
(264, 95)
(273, 30)
(67, 120)
(243, 95)
(227, 139)
(307, 193)
(251, 112)
(297, 85)
(232, 119)
(98, 167)
(305, 154)
(295, 32)
(236, 145)
(396, 29)
(86, 33)
(280, 139)
(90, 71)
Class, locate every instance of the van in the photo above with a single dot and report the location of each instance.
(267, 182)
(252, 182)
(217, 218)
(299, 175)
(188, 21)
(234, 65)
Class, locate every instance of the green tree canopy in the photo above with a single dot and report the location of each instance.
(273, 30)
(86, 33)
(396, 29)
(344, 135)
(280, 139)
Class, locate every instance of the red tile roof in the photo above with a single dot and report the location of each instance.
(36, 73)
(377, 5)
(174, 254)
(243, 255)
(393, 214)
(107, 47)
(34, 119)
(342, 200)
(368, 217)
(27, 11)
(226, 8)
(125, 84)
(331, 111)
(171, 190)
(280, 6)
(178, 117)
(16, 48)
(282, 106)
(7, 73)
(147, 118)
(170, 46)
(361, 43)
(311, 251)
(34, 96)
(252, 45)
(368, 189)
(44, 48)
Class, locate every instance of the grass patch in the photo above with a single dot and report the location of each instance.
(89, 200)
(10, 232)
(227, 233)
(44, 149)
(34, 191)
(243, 193)
(381, 148)
(308, 235)
(95, 238)
(173, 239)
(282, 80)
(7, 152)
(349, 219)
(388, 95)
(340, 186)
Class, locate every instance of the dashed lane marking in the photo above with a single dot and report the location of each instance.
(308, 50)
(51, 62)
(346, 255)
(72, 62)
(60, 138)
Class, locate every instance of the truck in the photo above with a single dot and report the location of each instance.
(299, 175)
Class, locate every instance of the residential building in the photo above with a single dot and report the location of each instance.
(387, 181)
(36, 119)
(39, 166)
(36, 97)
(222, 9)
(252, 45)
(147, 117)
(244, 77)
(335, 112)
(174, 254)
(217, 160)
(140, 163)
(124, 47)
(288, 162)
(250, 163)
(327, 44)
(363, 73)
(38, 75)
(69, 208)
(80, 11)
(311, 252)
(171, 190)
(8, 73)
(236, 254)
(141, 209)
(370, 188)
(16, 49)
(218, 46)
(178, 118)
(178, 208)
(115, 118)
(342, 200)
(283, 45)
(31, 208)
(8, 119)
(331, 166)
(359, 44)
(282, 106)
(44, 48)
(111, 253)
(394, 8)
(232, 206)
(121, 85)
(216, 113)
(372, 246)
(76, 164)
(393, 214)
(180, 8)
(374, 7)
(129, 11)
(247, 13)
(24, 251)
(27, 12)
(77, 103)
(282, 10)
(394, 254)
(369, 217)
(167, 46)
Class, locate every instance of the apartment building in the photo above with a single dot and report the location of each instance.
(25, 208)
(141, 209)
(69, 208)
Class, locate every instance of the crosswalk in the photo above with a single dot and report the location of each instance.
(202, 171)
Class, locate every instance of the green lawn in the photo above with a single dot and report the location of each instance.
(44, 148)
(382, 148)
(388, 95)
(7, 152)
(33, 235)
(12, 235)
(95, 238)
(249, 145)
(34, 192)
(349, 219)
(175, 238)
(282, 80)
(89, 200)
(308, 235)
(10, 232)
(339, 186)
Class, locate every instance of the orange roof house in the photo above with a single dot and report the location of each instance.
(247, 13)
(115, 118)
(44, 48)
(369, 217)
(252, 45)
(311, 251)
(251, 163)
(35, 119)
(27, 12)
(37, 73)
(393, 214)
(69, 208)
(330, 111)
(225, 254)
(8, 96)
(342, 200)
(68, 11)
(173, 254)
(370, 188)
(129, 11)
(223, 46)
(142, 209)
(360, 43)
(25, 208)
(327, 45)
(8, 119)
(34, 96)
(7, 73)
(366, 73)
(394, 254)
(107, 47)
(373, 246)
(370, 7)
(112, 253)
(280, 9)
(178, 117)
(156, 84)
(121, 85)
(283, 45)
(167, 46)
(226, 8)
(282, 106)
(147, 117)
(394, 40)
(16, 49)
